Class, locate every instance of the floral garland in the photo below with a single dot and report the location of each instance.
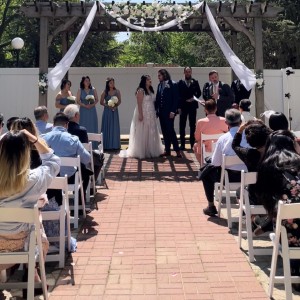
(43, 83)
(156, 11)
(260, 82)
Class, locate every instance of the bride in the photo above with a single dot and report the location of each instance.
(144, 139)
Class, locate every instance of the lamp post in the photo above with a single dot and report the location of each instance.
(17, 43)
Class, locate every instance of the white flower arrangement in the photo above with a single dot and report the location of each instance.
(113, 101)
(43, 83)
(260, 82)
(90, 99)
(157, 11)
(71, 99)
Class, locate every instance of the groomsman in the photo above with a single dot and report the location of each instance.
(220, 92)
(166, 105)
(188, 88)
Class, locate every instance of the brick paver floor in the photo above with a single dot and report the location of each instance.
(150, 240)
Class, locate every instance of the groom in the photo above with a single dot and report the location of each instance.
(166, 105)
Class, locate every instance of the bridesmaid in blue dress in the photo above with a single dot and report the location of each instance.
(110, 118)
(61, 100)
(88, 113)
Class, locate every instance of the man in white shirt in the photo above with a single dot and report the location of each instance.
(223, 146)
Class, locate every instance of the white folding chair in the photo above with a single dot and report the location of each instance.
(98, 137)
(75, 187)
(246, 179)
(226, 186)
(285, 212)
(212, 138)
(28, 255)
(63, 215)
(89, 148)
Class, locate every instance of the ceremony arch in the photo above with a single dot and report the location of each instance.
(60, 18)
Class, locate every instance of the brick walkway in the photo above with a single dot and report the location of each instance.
(150, 240)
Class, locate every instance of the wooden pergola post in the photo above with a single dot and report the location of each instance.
(44, 54)
(259, 65)
(234, 47)
(64, 46)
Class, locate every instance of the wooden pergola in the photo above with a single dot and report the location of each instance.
(59, 18)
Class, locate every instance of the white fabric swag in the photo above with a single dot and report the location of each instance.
(246, 76)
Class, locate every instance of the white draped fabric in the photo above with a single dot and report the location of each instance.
(57, 74)
(246, 76)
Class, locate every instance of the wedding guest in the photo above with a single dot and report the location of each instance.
(244, 107)
(26, 123)
(188, 88)
(66, 145)
(1, 122)
(61, 100)
(219, 91)
(211, 124)
(223, 146)
(111, 100)
(9, 122)
(239, 91)
(72, 112)
(277, 179)
(166, 105)
(41, 116)
(21, 187)
(278, 121)
(88, 113)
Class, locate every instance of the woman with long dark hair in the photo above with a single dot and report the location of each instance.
(87, 98)
(111, 100)
(144, 139)
(61, 100)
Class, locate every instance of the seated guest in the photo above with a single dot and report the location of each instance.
(42, 117)
(22, 187)
(278, 179)
(1, 122)
(223, 146)
(212, 124)
(9, 122)
(72, 112)
(244, 107)
(66, 145)
(26, 123)
(278, 121)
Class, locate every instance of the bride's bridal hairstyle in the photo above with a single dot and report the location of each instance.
(143, 85)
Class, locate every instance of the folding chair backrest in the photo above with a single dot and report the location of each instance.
(248, 178)
(59, 183)
(19, 215)
(70, 161)
(287, 211)
(209, 137)
(96, 137)
(229, 161)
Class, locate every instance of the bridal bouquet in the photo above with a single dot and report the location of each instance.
(113, 101)
(90, 99)
(71, 100)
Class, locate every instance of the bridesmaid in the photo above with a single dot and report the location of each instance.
(88, 113)
(110, 118)
(61, 100)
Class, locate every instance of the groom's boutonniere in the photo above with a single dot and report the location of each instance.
(192, 81)
(167, 86)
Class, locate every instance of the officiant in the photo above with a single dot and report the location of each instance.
(188, 88)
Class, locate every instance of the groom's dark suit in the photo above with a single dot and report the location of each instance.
(167, 101)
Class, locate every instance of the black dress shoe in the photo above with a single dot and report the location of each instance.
(165, 154)
(210, 211)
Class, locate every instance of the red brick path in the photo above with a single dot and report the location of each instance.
(150, 240)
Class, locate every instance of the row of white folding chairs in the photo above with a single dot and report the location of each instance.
(28, 255)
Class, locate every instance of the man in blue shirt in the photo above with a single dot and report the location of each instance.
(223, 146)
(66, 145)
(41, 117)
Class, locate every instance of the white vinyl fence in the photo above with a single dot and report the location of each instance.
(19, 91)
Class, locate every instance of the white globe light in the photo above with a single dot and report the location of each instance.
(17, 43)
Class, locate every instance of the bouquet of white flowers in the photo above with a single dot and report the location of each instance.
(90, 99)
(112, 102)
(71, 100)
(43, 83)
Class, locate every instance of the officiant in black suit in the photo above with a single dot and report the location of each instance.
(166, 106)
(188, 88)
(219, 91)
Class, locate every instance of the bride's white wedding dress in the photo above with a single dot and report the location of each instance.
(144, 138)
